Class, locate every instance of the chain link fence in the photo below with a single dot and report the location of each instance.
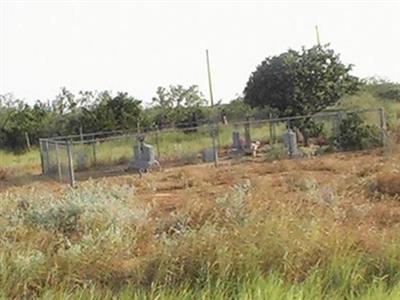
(98, 154)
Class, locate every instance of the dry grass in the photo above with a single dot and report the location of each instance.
(3, 174)
(388, 183)
(313, 223)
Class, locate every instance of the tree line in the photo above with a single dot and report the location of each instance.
(88, 111)
(293, 83)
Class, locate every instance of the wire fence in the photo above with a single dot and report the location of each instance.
(96, 154)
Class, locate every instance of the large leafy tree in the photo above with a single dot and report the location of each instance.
(300, 82)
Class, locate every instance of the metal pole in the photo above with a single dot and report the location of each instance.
(213, 131)
(382, 120)
(317, 33)
(41, 156)
(209, 79)
(157, 145)
(70, 164)
(270, 129)
(247, 135)
(94, 150)
(214, 144)
(47, 157)
(58, 163)
(81, 132)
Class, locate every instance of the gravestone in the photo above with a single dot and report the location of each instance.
(290, 142)
(82, 161)
(208, 155)
(144, 157)
(237, 147)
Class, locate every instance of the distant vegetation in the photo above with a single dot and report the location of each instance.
(293, 83)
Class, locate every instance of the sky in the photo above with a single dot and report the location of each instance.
(136, 46)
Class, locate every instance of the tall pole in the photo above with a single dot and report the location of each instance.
(209, 79)
(317, 34)
(213, 131)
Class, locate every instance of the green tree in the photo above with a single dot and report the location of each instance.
(236, 109)
(18, 118)
(300, 83)
(177, 103)
(111, 113)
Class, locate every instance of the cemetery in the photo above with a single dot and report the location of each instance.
(71, 158)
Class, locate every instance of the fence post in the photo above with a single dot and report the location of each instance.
(157, 144)
(41, 156)
(219, 138)
(270, 128)
(382, 121)
(81, 132)
(288, 124)
(94, 150)
(273, 128)
(47, 157)
(70, 164)
(214, 144)
(247, 136)
(58, 163)
(337, 123)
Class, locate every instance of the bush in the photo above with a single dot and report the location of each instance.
(276, 152)
(310, 129)
(354, 134)
(61, 218)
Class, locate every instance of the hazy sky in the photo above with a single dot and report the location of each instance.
(135, 46)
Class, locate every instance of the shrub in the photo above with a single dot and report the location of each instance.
(354, 134)
(276, 152)
(62, 218)
(315, 129)
(310, 129)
